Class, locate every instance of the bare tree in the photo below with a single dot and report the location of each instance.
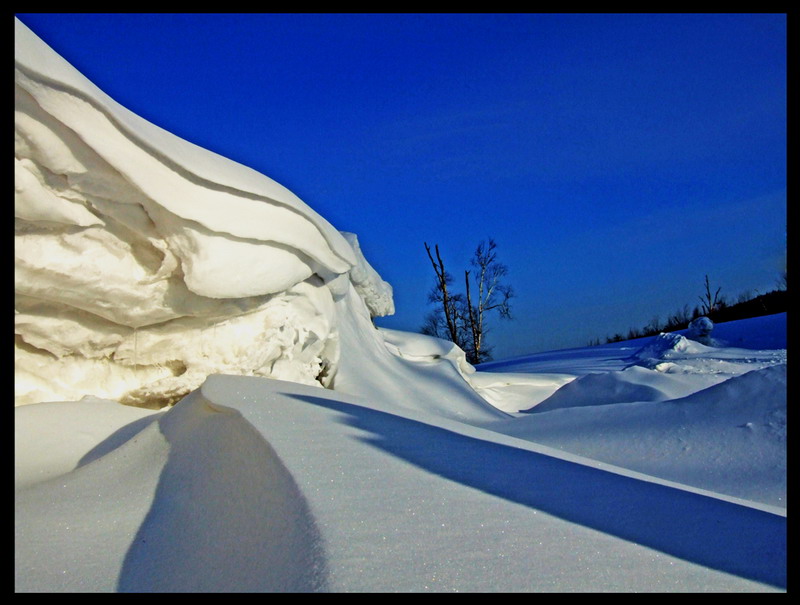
(710, 303)
(493, 295)
(679, 319)
(450, 307)
(457, 317)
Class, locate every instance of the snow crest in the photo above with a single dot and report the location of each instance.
(669, 344)
(143, 263)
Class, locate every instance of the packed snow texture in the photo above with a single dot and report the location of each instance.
(151, 271)
(144, 263)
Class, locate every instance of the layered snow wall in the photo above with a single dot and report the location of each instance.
(144, 263)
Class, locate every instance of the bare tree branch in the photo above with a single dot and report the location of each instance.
(710, 304)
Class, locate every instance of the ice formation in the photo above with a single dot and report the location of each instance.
(143, 263)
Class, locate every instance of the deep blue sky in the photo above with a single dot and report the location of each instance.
(615, 158)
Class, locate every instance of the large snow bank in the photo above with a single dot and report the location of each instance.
(143, 263)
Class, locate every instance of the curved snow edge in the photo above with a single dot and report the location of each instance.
(218, 386)
(206, 167)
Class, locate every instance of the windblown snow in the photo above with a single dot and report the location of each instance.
(273, 439)
(145, 263)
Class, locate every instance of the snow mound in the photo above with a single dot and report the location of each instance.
(701, 327)
(421, 347)
(668, 345)
(144, 263)
(410, 371)
(635, 383)
(196, 501)
(673, 353)
(729, 438)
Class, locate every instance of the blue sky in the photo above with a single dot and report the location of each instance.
(616, 159)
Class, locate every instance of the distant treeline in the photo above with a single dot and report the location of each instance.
(763, 304)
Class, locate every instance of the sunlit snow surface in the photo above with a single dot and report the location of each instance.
(149, 270)
(143, 263)
(710, 416)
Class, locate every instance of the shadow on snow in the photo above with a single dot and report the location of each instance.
(713, 533)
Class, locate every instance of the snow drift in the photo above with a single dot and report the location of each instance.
(150, 271)
(143, 263)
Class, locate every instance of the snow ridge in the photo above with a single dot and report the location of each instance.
(136, 277)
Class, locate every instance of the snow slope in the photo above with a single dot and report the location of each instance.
(380, 498)
(309, 451)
